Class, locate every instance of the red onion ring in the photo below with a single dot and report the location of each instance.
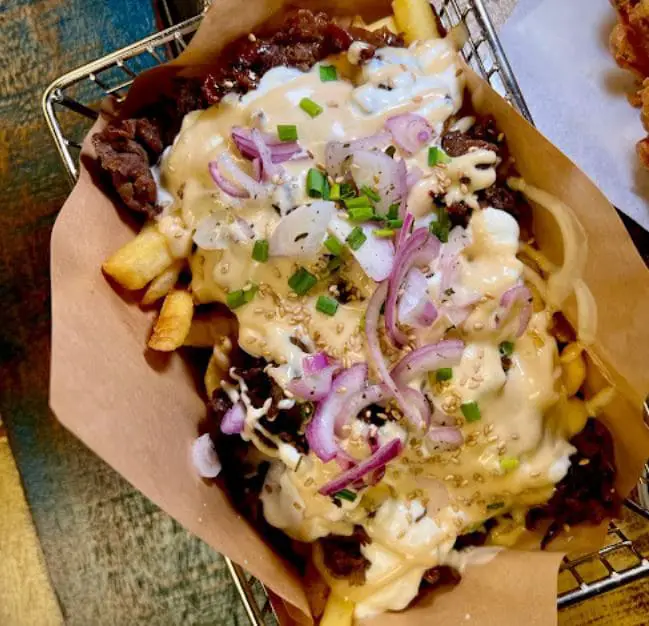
(250, 186)
(302, 231)
(234, 419)
(379, 459)
(418, 400)
(314, 363)
(337, 152)
(420, 249)
(446, 353)
(315, 384)
(446, 437)
(204, 457)
(415, 307)
(358, 402)
(404, 232)
(224, 184)
(378, 171)
(518, 293)
(410, 131)
(320, 430)
(268, 168)
(280, 151)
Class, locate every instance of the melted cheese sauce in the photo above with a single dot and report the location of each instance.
(428, 495)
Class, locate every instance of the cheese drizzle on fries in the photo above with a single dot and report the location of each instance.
(335, 180)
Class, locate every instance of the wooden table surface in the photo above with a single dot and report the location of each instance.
(77, 544)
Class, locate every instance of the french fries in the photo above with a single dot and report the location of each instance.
(338, 612)
(415, 19)
(386, 22)
(138, 262)
(161, 285)
(218, 366)
(573, 367)
(173, 323)
(209, 328)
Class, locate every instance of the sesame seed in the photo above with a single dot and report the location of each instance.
(515, 436)
(478, 326)
(401, 534)
(449, 478)
(488, 428)
(308, 482)
(584, 461)
(492, 438)
(535, 474)
(225, 268)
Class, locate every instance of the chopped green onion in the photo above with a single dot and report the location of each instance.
(260, 250)
(310, 107)
(302, 281)
(326, 305)
(372, 194)
(495, 505)
(383, 233)
(509, 464)
(471, 411)
(334, 192)
(393, 211)
(334, 264)
(345, 494)
(394, 223)
(287, 132)
(356, 238)
(361, 201)
(328, 73)
(347, 190)
(506, 348)
(317, 185)
(360, 213)
(444, 373)
(436, 156)
(333, 245)
(238, 298)
(442, 225)
(390, 151)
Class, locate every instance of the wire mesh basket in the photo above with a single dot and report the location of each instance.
(71, 104)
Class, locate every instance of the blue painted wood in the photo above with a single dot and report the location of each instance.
(113, 557)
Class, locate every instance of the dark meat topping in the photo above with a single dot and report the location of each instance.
(457, 144)
(126, 149)
(287, 424)
(587, 492)
(459, 213)
(500, 197)
(343, 557)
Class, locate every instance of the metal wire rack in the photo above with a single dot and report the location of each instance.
(71, 104)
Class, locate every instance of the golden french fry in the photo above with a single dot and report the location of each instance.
(386, 22)
(415, 19)
(173, 323)
(209, 328)
(218, 366)
(567, 417)
(573, 366)
(202, 265)
(161, 285)
(139, 261)
(338, 612)
(600, 400)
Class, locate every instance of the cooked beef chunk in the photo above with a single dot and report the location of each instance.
(485, 129)
(442, 575)
(343, 557)
(304, 39)
(457, 144)
(287, 424)
(459, 213)
(501, 197)
(476, 538)
(587, 492)
(126, 149)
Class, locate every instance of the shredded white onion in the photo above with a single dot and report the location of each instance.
(586, 313)
(204, 457)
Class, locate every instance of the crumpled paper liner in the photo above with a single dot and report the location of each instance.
(139, 410)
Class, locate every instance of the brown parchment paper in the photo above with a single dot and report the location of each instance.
(139, 411)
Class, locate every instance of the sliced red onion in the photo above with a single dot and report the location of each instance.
(418, 400)
(404, 232)
(212, 233)
(372, 314)
(401, 183)
(518, 293)
(379, 459)
(446, 353)
(314, 363)
(268, 168)
(314, 387)
(420, 249)
(204, 457)
(256, 169)
(378, 171)
(280, 151)
(240, 230)
(337, 152)
(320, 430)
(445, 437)
(415, 307)
(224, 183)
(375, 256)
(413, 177)
(410, 131)
(357, 403)
(234, 419)
(302, 231)
(247, 186)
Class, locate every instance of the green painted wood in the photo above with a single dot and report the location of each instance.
(113, 557)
